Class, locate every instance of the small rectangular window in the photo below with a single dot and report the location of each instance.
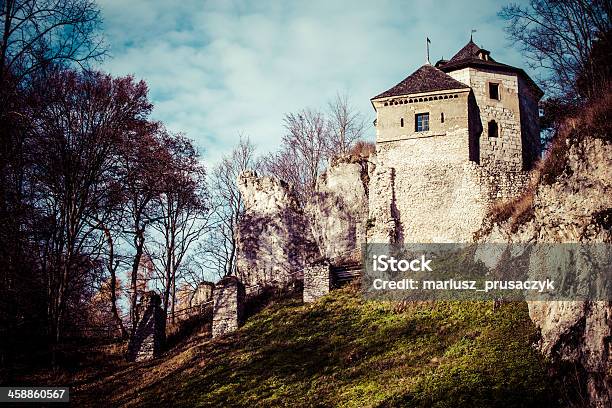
(421, 123)
(442, 117)
(493, 129)
(402, 122)
(493, 91)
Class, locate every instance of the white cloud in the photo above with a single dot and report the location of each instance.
(216, 69)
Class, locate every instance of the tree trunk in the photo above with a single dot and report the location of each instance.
(138, 244)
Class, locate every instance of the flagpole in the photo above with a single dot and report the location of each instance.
(427, 44)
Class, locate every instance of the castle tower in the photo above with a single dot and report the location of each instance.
(505, 132)
(451, 139)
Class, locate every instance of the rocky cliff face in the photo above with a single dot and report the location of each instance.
(570, 202)
(273, 240)
(338, 208)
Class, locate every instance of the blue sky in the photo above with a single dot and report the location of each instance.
(218, 69)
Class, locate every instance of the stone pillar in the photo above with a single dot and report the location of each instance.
(150, 335)
(228, 306)
(317, 282)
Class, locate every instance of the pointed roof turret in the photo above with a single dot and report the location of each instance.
(425, 79)
(470, 50)
(473, 56)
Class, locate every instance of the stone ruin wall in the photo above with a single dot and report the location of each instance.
(317, 281)
(274, 240)
(338, 209)
(407, 192)
(188, 297)
(279, 237)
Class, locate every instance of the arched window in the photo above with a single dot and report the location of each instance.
(493, 129)
(442, 117)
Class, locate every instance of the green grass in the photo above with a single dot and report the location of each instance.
(347, 352)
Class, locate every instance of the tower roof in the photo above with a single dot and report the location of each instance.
(470, 50)
(472, 55)
(425, 79)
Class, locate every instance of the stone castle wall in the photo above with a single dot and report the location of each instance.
(274, 240)
(501, 185)
(428, 186)
(530, 124)
(439, 202)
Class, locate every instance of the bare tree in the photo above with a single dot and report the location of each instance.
(184, 214)
(144, 159)
(77, 131)
(313, 137)
(112, 262)
(346, 126)
(304, 150)
(229, 206)
(558, 36)
(34, 36)
(39, 33)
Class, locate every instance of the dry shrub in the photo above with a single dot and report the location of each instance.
(363, 149)
(553, 165)
(590, 121)
(518, 210)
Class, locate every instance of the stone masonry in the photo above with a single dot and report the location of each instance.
(317, 281)
(436, 179)
(150, 335)
(228, 307)
(202, 294)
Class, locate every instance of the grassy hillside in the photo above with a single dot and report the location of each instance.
(344, 351)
